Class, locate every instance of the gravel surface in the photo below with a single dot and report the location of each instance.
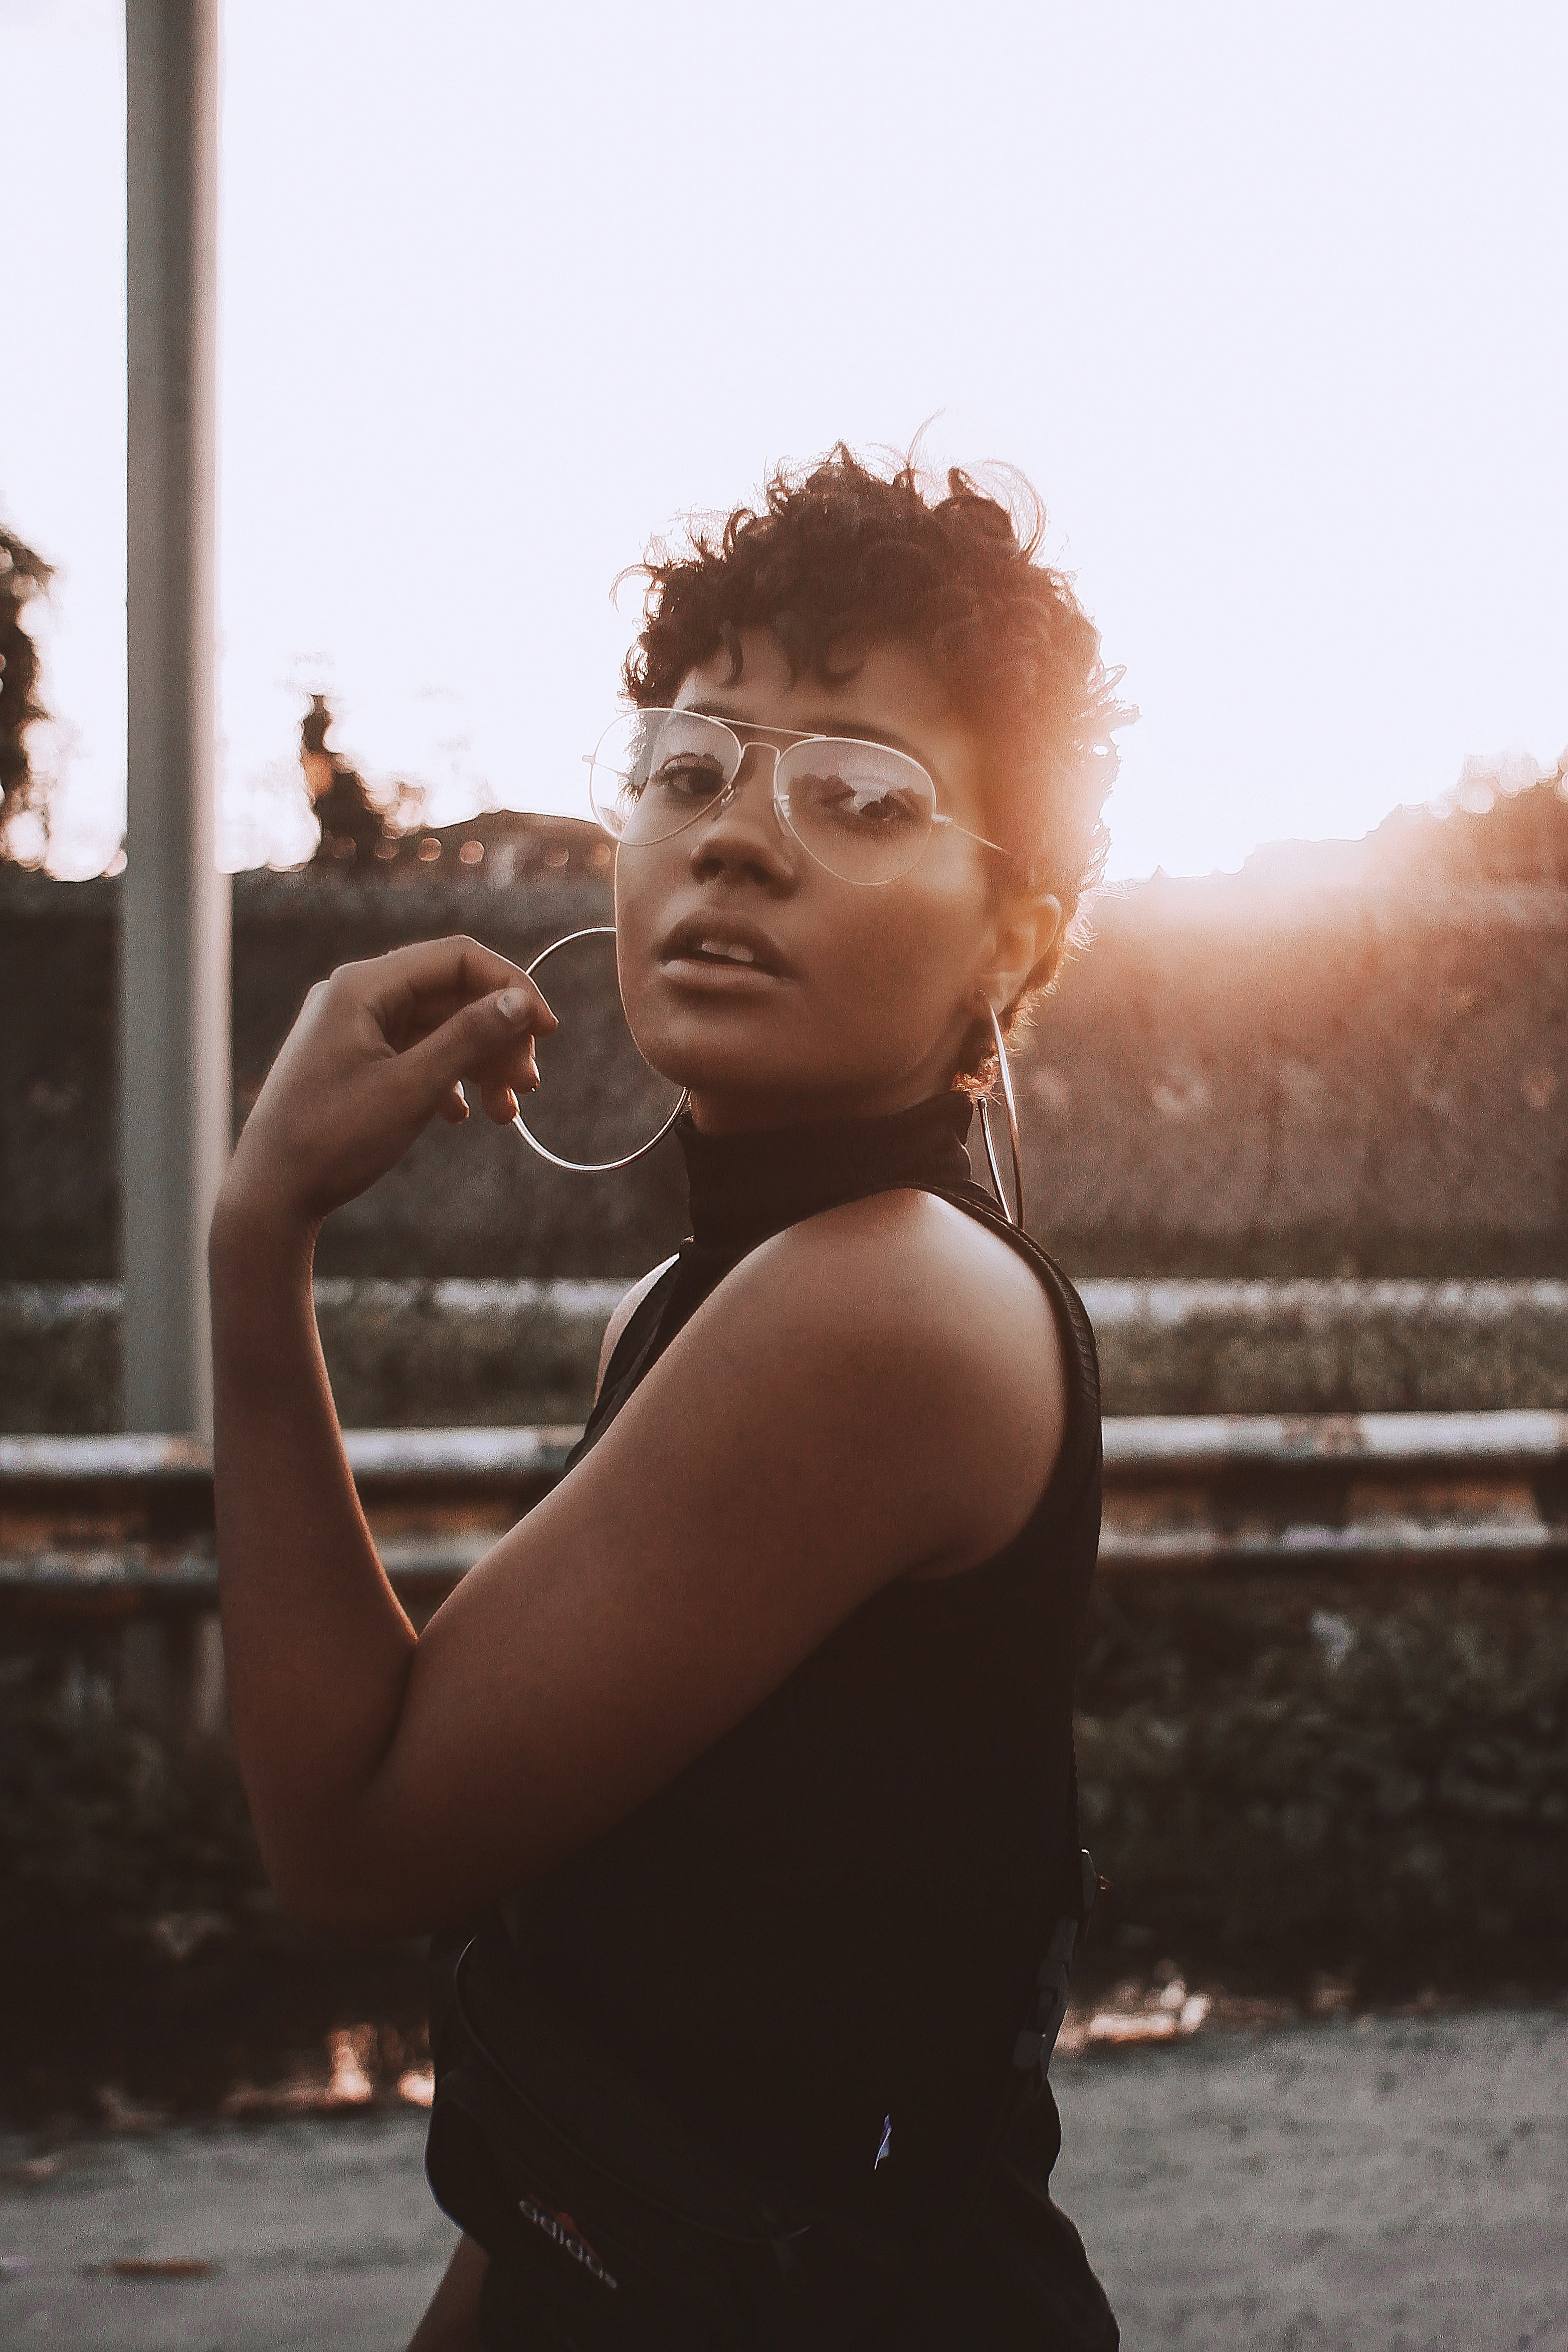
(321, 2236)
(1386, 2185)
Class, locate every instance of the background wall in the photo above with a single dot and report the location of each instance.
(1341, 1080)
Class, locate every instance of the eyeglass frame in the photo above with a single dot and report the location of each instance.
(726, 792)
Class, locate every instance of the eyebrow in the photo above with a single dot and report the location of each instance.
(854, 731)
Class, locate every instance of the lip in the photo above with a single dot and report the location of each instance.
(681, 953)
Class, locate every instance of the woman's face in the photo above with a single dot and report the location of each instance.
(858, 999)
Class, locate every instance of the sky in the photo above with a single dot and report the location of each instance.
(1270, 304)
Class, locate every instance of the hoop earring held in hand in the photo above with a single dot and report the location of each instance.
(591, 1167)
(1014, 1216)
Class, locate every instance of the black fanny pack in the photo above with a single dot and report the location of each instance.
(617, 2225)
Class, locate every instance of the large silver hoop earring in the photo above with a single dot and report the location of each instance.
(591, 1167)
(1014, 1216)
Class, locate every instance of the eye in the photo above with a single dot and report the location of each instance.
(689, 776)
(862, 803)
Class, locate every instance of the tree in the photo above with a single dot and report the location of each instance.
(356, 827)
(23, 576)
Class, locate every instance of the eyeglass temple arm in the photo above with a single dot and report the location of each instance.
(970, 836)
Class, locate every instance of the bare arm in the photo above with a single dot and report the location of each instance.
(874, 1393)
(378, 1051)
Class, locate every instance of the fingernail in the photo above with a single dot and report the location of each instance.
(511, 1005)
(457, 1090)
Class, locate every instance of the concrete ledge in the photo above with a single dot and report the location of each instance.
(408, 1353)
(414, 1353)
(123, 1525)
(1137, 1448)
(107, 1553)
(1316, 1347)
(1140, 1447)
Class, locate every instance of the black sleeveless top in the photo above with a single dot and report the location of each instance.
(818, 1942)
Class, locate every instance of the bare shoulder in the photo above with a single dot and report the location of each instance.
(912, 1267)
(876, 1393)
(937, 1337)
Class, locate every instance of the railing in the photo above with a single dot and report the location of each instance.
(121, 1525)
(1368, 1491)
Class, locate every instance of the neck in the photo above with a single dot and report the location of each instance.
(748, 1182)
(720, 1110)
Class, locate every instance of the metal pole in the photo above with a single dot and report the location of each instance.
(175, 903)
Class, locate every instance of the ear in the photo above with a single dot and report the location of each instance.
(1024, 931)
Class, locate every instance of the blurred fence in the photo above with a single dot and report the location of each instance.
(1235, 1081)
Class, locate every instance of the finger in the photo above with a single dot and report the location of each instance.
(423, 1016)
(490, 1039)
(415, 982)
(501, 1080)
(501, 1104)
(454, 1104)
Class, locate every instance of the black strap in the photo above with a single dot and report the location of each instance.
(1037, 2038)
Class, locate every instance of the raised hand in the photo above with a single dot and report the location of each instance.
(378, 1051)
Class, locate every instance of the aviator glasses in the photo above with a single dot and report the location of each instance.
(863, 811)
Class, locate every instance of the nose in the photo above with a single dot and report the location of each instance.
(741, 832)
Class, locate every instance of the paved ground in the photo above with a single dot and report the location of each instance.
(1385, 2186)
(320, 2234)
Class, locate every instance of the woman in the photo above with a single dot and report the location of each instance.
(757, 1729)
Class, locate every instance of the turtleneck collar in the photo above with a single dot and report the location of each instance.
(745, 1187)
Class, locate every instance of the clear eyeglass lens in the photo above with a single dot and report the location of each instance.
(654, 772)
(861, 810)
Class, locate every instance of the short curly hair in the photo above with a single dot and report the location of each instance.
(841, 554)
